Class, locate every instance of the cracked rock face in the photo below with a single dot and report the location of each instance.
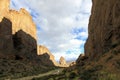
(104, 28)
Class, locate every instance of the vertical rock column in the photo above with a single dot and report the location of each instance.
(6, 42)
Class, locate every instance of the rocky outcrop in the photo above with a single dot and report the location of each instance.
(72, 64)
(6, 42)
(18, 45)
(18, 32)
(42, 50)
(25, 45)
(22, 20)
(4, 9)
(62, 62)
(104, 28)
(81, 60)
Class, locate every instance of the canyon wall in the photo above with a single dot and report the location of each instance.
(18, 38)
(104, 28)
(42, 50)
(18, 32)
(21, 20)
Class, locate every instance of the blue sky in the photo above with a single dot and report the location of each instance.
(61, 24)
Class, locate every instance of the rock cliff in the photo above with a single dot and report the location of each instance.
(42, 50)
(4, 9)
(104, 28)
(6, 42)
(102, 49)
(18, 44)
(18, 32)
(81, 59)
(20, 19)
(62, 62)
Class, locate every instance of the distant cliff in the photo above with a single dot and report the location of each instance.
(62, 62)
(42, 50)
(104, 28)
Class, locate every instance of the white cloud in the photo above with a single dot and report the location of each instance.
(55, 20)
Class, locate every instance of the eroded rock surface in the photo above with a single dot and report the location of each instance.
(62, 62)
(17, 32)
(104, 28)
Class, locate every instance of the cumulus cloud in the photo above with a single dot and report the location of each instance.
(62, 25)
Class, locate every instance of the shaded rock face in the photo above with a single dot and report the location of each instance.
(6, 42)
(104, 28)
(42, 50)
(17, 32)
(45, 60)
(18, 37)
(25, 45)
(81, 60)
(18, 45)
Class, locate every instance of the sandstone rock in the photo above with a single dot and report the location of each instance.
(4, 9)
(42, 50)
(18, 32)
(62, 62)
(72, 64)
(25, 45)
(18, 36)
(18, 44)
(6, 42)
(81, 60)
(45, 60)
(104, 28)
(22, 20)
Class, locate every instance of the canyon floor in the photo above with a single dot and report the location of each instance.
(52, 72)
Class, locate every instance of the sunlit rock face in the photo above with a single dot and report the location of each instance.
(4, 8)
(42, 50)
(17, 31)
(18, 44)
(21, 20)
(62, 62)
(104, 28)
